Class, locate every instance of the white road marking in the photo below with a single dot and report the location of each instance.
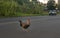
(41, 19)
(8, 23)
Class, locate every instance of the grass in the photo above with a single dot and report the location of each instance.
(22, 14)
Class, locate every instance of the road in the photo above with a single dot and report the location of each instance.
(41, 27)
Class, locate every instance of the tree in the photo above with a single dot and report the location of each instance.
(51, 5)
(8, 8)
(21, 2)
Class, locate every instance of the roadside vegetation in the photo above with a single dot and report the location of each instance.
(10, 8)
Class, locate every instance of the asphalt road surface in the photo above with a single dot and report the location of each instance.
(41, 27)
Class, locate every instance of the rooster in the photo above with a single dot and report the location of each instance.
(25, 25)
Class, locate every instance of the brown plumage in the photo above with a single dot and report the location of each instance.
(26, 24)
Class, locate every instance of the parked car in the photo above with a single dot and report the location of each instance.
(52, 12)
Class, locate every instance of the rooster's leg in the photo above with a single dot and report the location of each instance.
(23, 29)
(26, 30)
